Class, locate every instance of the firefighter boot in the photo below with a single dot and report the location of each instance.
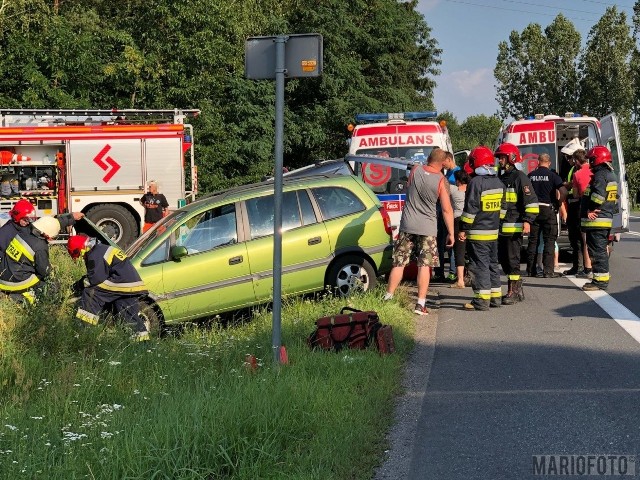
(520, 290)
(512, 296)
(477, 304)
(495, 302)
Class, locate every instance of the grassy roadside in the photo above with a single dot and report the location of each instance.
(90, 404)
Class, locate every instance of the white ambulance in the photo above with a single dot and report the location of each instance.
(550, 133)
(406, 137)
(97, 162)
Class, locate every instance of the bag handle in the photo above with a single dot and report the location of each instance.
(349, 309)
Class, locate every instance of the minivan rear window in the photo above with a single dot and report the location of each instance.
(337, 202)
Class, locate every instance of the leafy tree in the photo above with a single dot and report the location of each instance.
(536, 70)
(607, 85)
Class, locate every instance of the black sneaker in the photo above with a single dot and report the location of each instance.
(552, 275)
(584, 274)
(571, 271)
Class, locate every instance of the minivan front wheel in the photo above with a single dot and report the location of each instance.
(350, 274)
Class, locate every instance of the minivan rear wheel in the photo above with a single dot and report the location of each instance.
(351, 273)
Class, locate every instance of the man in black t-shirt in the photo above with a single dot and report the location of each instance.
(155, 206)
(550, 192)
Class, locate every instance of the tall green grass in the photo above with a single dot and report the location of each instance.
(90, 404)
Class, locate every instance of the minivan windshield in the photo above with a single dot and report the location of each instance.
(154, 232)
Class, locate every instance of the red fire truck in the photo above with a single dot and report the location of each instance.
(96, 162)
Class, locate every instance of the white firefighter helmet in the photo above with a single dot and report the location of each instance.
(49, 226)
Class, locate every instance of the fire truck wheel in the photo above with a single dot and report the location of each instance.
(349, 274)
(116, 221)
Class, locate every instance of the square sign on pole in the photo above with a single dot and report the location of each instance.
(292, 56)
(303, 56)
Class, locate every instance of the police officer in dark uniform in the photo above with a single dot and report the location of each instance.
(111, 279)
(551, 192)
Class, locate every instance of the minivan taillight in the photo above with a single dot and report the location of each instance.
(386, 220)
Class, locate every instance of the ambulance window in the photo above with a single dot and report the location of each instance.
(615, 160)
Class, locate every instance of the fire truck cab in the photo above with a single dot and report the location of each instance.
(550, 133)
(403, 139)
(97, 162)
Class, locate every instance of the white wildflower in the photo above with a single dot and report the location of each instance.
(114, 363)
(11, 427)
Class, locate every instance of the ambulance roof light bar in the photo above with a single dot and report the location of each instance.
(383, 117)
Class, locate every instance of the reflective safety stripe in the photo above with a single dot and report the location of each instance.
(17, 248)
(511, 227)
(601, 277)
(595, 198)
(503, 213)
(114, 252)
(532, 208)
(483, 238)
(513, 277)
(483, 294)
(467, 217)
(496, 293)
(7, 286)
(131, 287)
(29, 296)
(511, 196)
(612, 191)
(87, 317)
(597, 223)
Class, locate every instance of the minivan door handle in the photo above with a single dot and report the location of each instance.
(235, 260)
(314, 241)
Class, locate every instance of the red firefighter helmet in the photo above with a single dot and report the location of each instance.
(78, 245)
(23, 209)
(480, 156)
(599, 155)
(467, 168)
(511, 151)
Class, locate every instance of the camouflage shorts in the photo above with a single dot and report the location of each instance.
(410, 246)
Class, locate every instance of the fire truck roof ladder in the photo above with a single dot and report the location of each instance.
(30, 116)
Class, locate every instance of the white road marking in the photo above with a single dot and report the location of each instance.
(636, 234)
(621, 314)
(632, 216)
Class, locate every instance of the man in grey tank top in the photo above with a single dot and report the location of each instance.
(419, 227)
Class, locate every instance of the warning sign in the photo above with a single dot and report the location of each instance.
(375, 175)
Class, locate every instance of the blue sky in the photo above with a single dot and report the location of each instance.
(468, 32)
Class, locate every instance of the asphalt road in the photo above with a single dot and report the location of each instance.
(555, 375)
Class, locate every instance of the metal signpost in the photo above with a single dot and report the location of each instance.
(280, 57)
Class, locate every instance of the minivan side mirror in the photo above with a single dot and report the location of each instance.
(177, 252)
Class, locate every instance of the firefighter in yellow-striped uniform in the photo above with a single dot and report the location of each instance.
(479, 224)
(520, 209)
(25, 266)
(599, 204)
(110, 279)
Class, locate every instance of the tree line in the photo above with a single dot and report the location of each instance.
(379, 56)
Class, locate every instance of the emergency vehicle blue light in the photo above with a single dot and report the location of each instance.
(383, 117)
(530, 117)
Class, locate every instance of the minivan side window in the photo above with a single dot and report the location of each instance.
(261, 213)
(337, 202)
(208, 230)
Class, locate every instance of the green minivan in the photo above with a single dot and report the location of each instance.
(216, 255)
